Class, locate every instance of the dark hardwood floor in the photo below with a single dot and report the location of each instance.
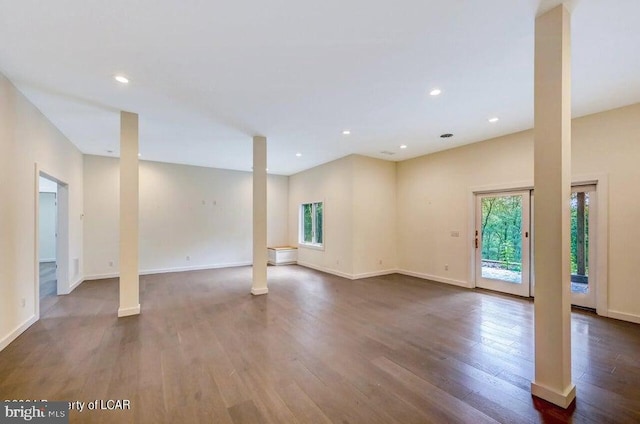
(316, 349)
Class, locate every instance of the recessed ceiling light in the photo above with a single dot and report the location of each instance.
(139, 154)
(122, 79)
(403, 146)
(346, 132)
(446, 135)
(493, 120)
(435, 92)
(298, 154)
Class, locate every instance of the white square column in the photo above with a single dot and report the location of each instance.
(129, 276)
(259, 216)
(552, 177)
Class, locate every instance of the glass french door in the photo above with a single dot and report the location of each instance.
(502, 242)
(583, 210)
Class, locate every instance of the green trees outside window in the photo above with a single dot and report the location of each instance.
(501, 232)
(311, 222)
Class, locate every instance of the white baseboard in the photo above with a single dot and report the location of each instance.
(42, 261)
(623, 316)
(327, 270)
(346, 274)
(258, 292)
(168, 270)
(101, 276)
(126, 312)
(194, 268)
(451, 281)
(75, 285)
(374, 274)
(4, 342)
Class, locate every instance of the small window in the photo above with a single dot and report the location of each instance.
(311, 224)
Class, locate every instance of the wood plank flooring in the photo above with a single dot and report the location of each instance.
(316, 349)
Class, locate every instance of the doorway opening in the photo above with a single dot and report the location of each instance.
(47, 233)
(502, 242)
(52, 245)
(583, 212)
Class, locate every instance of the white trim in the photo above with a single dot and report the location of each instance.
(258, 292)
(127, 312)
(327, 270)
(5, 341)
(168, 270)
(75, 285)
(524, 287)
(450, 281)
(623, 316)
(601, 180)
(601, 269)
(194, 268)
(374, 274)
(101, 276)
(312, 244)
(47, 260)
(473, 191)
(497, 188)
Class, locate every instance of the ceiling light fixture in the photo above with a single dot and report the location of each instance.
(435, 92)
(298, 154)
(493, 120)
(403, 146)
(346, 132)
(139, 154)
(121, 79)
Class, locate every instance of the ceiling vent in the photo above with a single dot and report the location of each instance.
(388, 153)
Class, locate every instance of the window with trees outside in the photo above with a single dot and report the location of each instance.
(311, 221)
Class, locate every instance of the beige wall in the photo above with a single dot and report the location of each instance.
(359, 215)
(27, 138)
(374, 216)
(434, 198)
(330, 183)
(185, 211)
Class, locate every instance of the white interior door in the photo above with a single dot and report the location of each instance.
(502, 242)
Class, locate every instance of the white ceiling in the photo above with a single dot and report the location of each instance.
(206, 75)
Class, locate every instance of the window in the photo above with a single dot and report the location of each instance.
(311, 224)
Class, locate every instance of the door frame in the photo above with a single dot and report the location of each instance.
(589, 300)
(62, 239)
(524, 287)
(601, 266)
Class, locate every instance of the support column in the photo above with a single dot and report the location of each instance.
(129, 277)
(259, 216)
(552, 176)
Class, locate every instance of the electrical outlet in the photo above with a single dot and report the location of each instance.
(188, 258)
(446, 267)
(23, 302)
(110, 263)
(380, 261)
